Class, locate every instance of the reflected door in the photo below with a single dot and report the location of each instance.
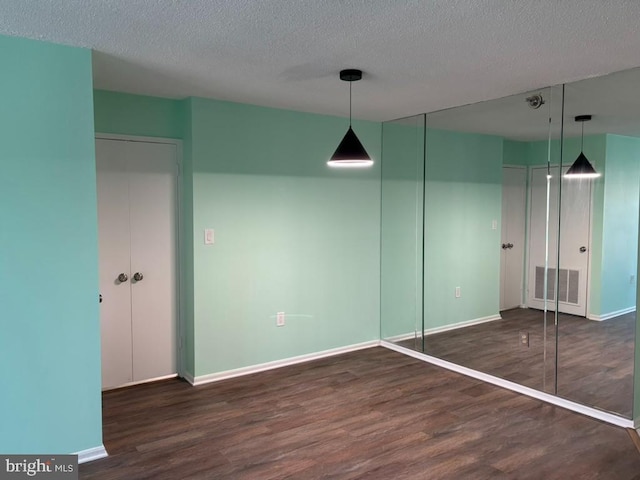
(574, 242)
(514, 180)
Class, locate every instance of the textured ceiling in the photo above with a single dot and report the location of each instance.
(418, 56)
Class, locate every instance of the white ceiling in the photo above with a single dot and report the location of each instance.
(418, 56)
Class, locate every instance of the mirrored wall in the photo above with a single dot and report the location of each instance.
(496, 258)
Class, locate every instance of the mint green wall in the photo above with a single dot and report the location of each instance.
(620, 223)
(463, 196)
(401, 226)
(292, 235)
(515, 153)
(126, 114)
(50, 335)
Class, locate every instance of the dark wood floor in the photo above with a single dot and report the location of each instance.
(595, 360)
(371, 414)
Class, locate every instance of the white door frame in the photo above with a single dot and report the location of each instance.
(530, 169)
(179, 229)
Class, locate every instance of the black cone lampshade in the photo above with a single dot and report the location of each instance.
(582, 168)
(350, 152)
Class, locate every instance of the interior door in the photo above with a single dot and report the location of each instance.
(114, 261)
(574, 242)
(137, 240)
(514, 181)
(152, 214)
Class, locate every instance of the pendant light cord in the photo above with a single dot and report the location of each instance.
(350, 104)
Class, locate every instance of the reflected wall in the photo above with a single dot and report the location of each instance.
(521, 274)
(401, 230)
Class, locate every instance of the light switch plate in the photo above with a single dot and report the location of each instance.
(209, 236)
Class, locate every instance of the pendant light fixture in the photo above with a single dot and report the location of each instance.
(350, 153)
(582, 168)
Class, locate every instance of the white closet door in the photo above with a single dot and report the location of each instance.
(137, 202)
(114, 259)
(152, 194)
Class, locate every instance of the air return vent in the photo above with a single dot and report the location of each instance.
(567, 285)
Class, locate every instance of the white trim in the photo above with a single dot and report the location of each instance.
(261, 367)
(402, 337)
(189, 378)
(466, 323)
(607, 316)
(445, 328)
(91, 454)
(530, 392)
(149, 380)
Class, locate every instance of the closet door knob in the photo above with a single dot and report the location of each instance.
(138, 276)
(123, 277)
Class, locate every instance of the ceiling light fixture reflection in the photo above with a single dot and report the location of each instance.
(582, 168)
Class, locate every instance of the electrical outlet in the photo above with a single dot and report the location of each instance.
(524, 339)
(458, 294)
(280, 319)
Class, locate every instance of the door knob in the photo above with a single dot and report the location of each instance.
(583, 249)
(509, 245)
(138, 276)
(123, 277)
(504, 246)
(100, 298)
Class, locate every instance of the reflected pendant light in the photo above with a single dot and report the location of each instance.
(350, 153)
(582, 168)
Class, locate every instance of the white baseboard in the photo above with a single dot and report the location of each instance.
(149, 380)
(607, 316)
(189, 378)
(401, 337)
(516, 387)
(91, 454)
(466, 323)
(445, 328)
(237, 372)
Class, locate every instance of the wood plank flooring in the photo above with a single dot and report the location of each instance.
(595, 360)
(370, 414)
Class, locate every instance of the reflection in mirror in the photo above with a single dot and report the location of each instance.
(489, 167)
(401, 231)
(503, 264)
(599, 244)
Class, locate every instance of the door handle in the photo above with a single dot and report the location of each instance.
(509, 245)
(123, 277)
(138, 276)
(504, 246)
(583, 249)
(100, 298)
